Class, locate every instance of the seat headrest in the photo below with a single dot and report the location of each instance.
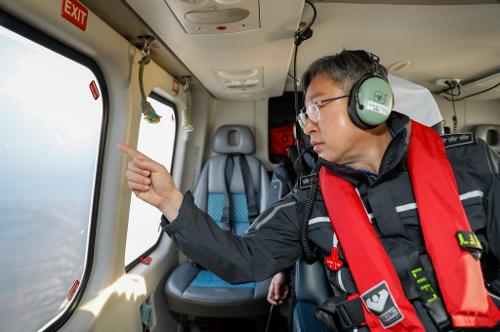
(490, 134)
(231, 139)
(415, 101)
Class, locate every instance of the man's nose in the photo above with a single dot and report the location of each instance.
(309, 126)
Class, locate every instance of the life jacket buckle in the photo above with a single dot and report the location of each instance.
(340, 313)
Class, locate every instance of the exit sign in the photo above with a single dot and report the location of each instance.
(75, 12)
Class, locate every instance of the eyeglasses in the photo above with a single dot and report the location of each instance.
(311, 111)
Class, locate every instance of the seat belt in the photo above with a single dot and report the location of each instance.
(253, 211)
(226, 211)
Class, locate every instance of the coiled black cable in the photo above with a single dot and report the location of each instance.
(454, 118)
(301, 35)
(309, 253)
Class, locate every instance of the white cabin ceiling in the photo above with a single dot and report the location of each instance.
(440, 38)
(458, 41)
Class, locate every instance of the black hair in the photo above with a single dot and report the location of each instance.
(344, 68)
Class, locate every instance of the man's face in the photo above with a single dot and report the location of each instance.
(334, 135)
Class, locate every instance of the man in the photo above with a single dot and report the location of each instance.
(414, 101)
(410, 227)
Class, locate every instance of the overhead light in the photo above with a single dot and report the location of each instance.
(241, 80)
(242, 86)
(233, 83)
(399, 66)
(227, 2)
(192, 3)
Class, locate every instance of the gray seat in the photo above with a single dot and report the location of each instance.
(192, 290)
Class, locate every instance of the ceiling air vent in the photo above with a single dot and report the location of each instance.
(216, 16)
(222, 16)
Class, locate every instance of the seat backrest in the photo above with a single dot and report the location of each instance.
(209, 193)
(416, 102)
(311, 282)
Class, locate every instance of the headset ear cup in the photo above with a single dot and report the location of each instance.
(370, 101)
(353, 106)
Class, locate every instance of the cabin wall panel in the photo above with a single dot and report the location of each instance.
(196, 142)
(470, 112)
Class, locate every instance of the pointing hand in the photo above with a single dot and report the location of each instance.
(152, 183)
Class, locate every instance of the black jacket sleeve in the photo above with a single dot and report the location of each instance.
(493, 203)
(271, 244)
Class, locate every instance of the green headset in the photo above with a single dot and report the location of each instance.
(371, 98)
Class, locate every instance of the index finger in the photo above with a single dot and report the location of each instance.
(131, 152)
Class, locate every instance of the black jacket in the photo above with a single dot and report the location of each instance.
(273, 241)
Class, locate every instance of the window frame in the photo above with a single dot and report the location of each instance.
(29, 32)
(171, 104)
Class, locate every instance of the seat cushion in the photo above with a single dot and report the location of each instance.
(195, 291)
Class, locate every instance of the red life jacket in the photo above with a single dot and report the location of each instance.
(441, 216)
